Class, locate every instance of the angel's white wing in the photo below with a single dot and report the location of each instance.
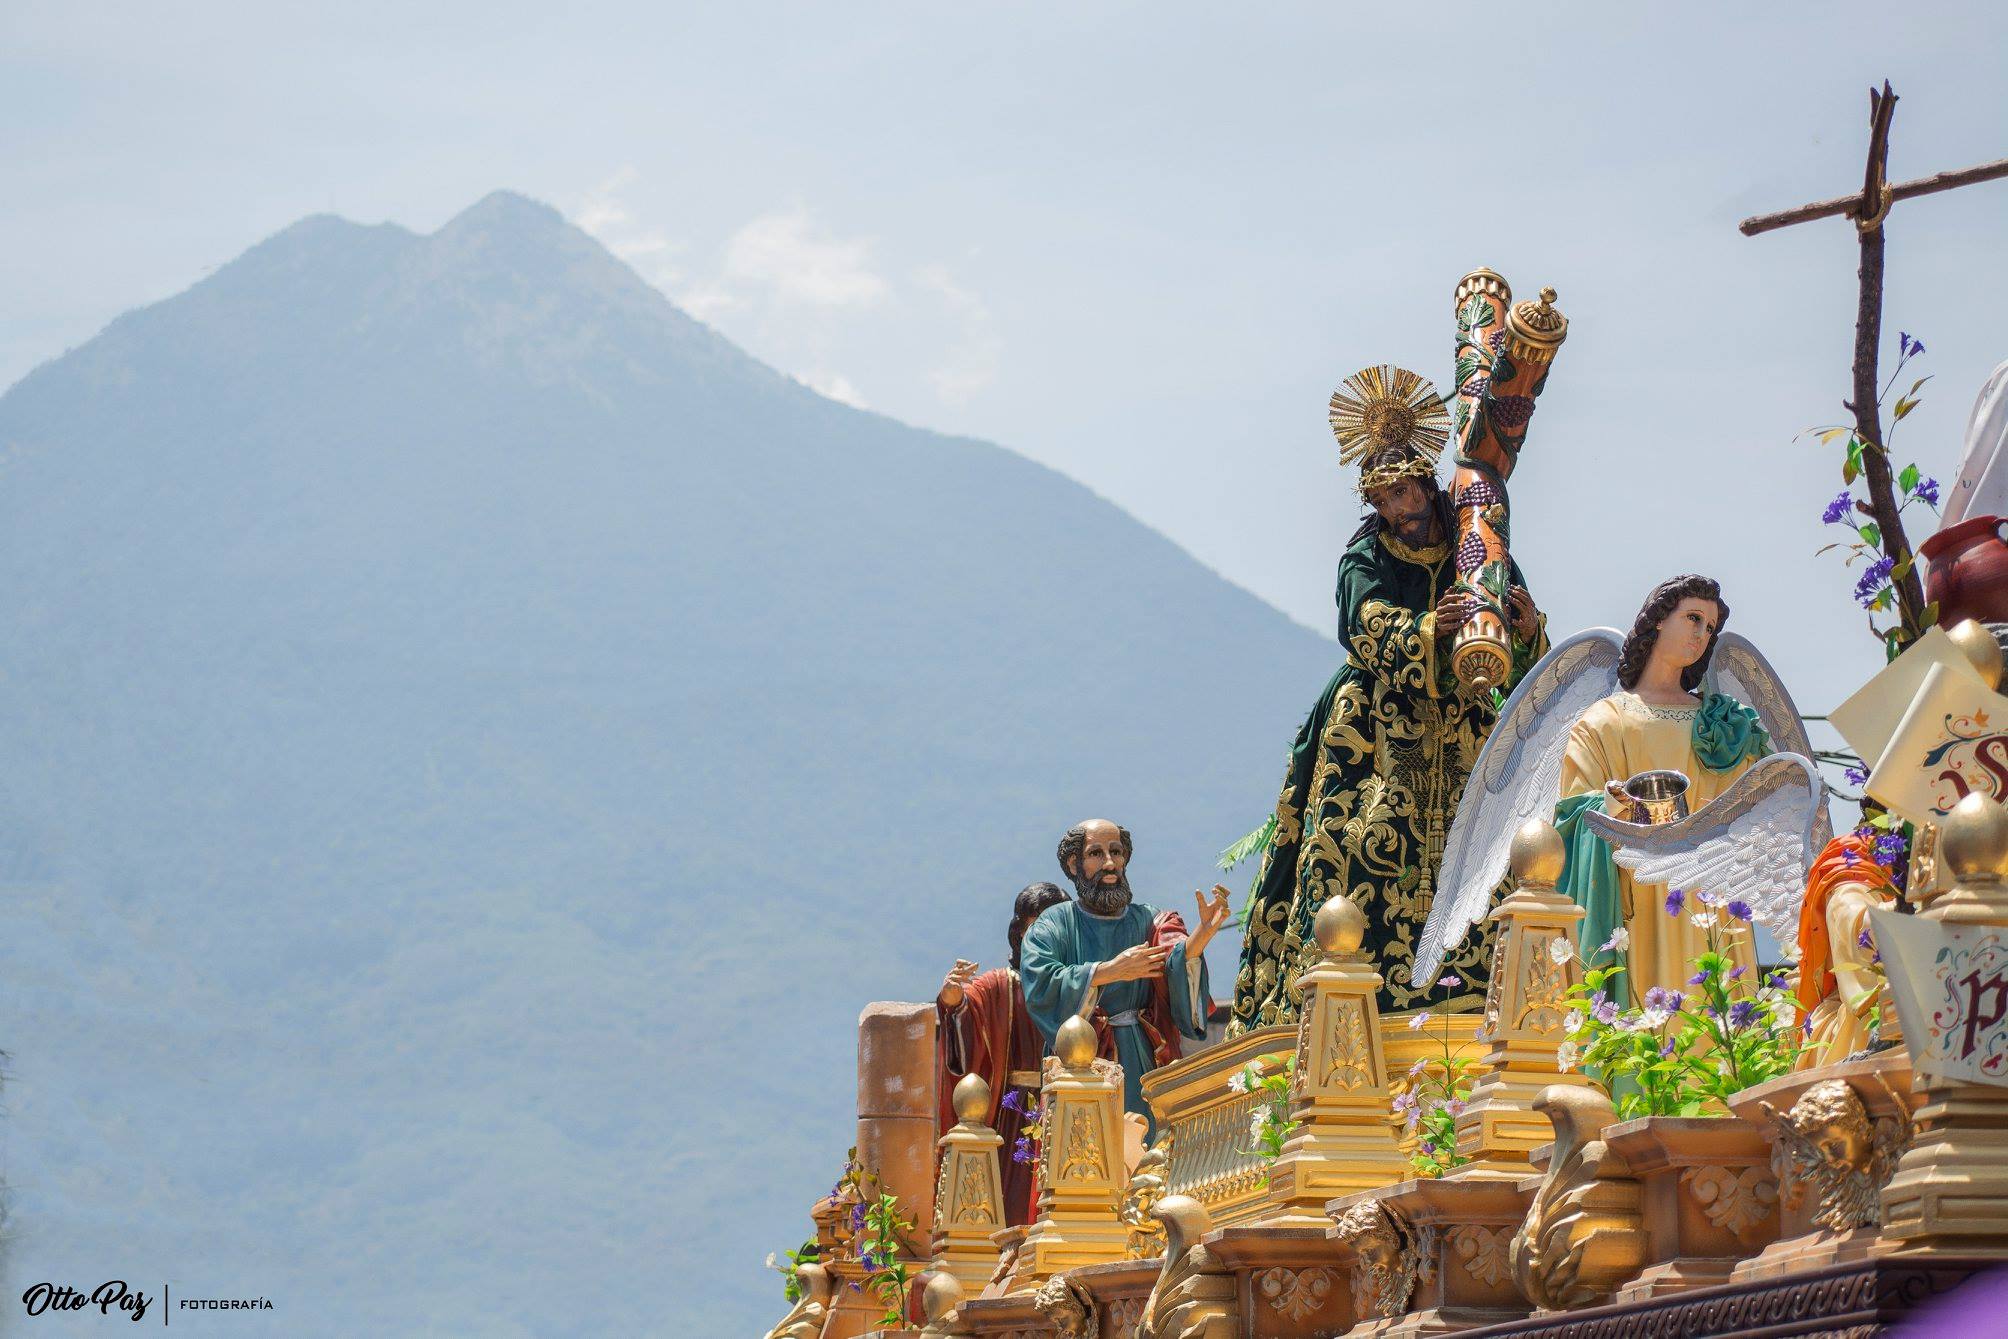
(1517, 777)
(1754, 842)
(1739, 669)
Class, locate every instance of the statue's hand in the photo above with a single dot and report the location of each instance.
(1213, 916)
(955, 983)
(1139, 962)
(1526, 618)
(1454, 610)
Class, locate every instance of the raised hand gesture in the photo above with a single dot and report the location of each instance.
(953, 985)
(1213, 915)
(1138, 963)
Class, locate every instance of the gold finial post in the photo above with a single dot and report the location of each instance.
(1978, 645)
(1533, 965)
(969, 1194)
(1081, 1168)
(1339, 1097)
(1950, 1183)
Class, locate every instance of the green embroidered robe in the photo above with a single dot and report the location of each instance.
(1374, 779)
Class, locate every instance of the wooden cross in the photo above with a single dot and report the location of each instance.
(1868, 210)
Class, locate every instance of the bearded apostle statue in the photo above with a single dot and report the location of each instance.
(1375, 771)
(1129, 969)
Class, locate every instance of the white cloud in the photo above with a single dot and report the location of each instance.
(971, 362)
(793, 261)
(836, 386)
(605, 215)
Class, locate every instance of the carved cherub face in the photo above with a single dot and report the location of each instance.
(1831, 1118)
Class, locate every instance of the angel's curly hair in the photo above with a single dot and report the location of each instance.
(1665, 598)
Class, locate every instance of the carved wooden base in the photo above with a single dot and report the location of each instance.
(1291, 1286)
(1709, 1197)
(1840, 1302)
(1815, 1250)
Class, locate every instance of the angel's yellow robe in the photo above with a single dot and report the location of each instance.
(1615, 740)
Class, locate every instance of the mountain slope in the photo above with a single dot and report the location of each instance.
(471, 739)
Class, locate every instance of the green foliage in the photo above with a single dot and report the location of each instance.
(1682, 1053)
(881, 1239)
(1255, 843)
(1442, 1085)
(791, 1287)
(1269, 1124)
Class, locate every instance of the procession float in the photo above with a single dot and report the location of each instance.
(1580, 994)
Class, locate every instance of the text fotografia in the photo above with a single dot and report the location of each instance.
(51, 1297)
(223, 1304)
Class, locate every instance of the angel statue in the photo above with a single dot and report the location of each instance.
(1375, 771)
(1604, 721)
(1840, 977)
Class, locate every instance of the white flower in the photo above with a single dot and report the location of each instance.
(1723, 1067)
(1237, 1082)
(771, 1264)
(1415, 1023)
(1703, 920)
(1566, 1056)
(1559, 950)
(1712, 899)
(1572, 1021)
(1631, 1023)
(1655, 1018)
(1258, 1122)
(1619, 941)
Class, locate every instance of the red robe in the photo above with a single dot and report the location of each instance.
(992, 1036)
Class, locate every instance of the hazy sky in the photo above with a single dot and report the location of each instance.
(1141, 243)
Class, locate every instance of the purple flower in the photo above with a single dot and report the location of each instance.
(1848, 858)
(1675, 900)
(1698, 979)
(1022, 1151)
(1740, 970)
(1666, 1048)
(1889, 849)
(1659, 997)
(1015, 1101)
(870, 1262)
(857, 1217)
(1855, 776)
(1741, 911)
(1871, 584)
(1774, 980)
(1927, 490)
(1903, 342)
(1863, 939)
(1604, 1011)
(1446, 982)
(1741, 1012)
(1916, 347)
(1837, 510)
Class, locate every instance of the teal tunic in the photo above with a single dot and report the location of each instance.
(1060, 954)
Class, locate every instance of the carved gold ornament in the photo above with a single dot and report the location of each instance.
(1084, 1146)
(1828, 1143)
(1382, 406)
(1068, 1308)
(1736, 1202)
(1295, 1293)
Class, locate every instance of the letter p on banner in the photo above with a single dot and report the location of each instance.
(1951, 989)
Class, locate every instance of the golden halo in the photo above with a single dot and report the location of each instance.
(1383, 406)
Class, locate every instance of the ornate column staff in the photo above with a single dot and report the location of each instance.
(1503, 354)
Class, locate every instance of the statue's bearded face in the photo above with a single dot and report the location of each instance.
(1101, 875)
(1407, 511)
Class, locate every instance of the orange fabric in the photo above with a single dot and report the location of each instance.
(1847, 859)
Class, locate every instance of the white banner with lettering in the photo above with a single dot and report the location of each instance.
(1951, 989)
